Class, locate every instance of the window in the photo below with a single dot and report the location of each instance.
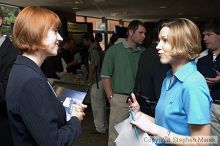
(112, 24)
(97, 23)
(80, 19)
(126, 23)
(9, 15)
(99, 26)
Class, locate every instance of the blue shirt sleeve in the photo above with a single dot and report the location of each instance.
(197, 103)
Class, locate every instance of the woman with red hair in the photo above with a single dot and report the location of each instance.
(36, 115)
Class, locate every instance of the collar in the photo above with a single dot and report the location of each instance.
(125, 44)
(2, 39)
(184, 72)
(22, 60)
(214, 56)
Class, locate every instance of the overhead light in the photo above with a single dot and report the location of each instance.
(75, 8)
(163, 7)
(78, 2)
(196, 17)
(119, 13)
(99, 1)
(115, 14)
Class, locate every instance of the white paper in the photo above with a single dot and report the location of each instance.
(127, 135)
(68, 105)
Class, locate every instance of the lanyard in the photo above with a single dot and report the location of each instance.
(52, 88)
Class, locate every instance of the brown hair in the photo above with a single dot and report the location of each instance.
(213, 26)
(133, 25)
(31, 27)
(184, 37)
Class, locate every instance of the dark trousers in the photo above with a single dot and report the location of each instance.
(5, 133)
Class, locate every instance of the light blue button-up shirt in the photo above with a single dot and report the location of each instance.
(185, 101)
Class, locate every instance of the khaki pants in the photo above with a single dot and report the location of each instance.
(119, 111)
(98, 104)
(215, 124)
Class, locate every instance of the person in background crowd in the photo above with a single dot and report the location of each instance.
(95, 58)
(67, 53)
(118, 74)
(150, 75)
(36, 115)
(183, 110)
(98, 102)
(122, 35)
(7, 57)
(52, 67)
(112, 40)
(88, 40)
(209, 67)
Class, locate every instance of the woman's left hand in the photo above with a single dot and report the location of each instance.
(134, 104)
(80, 107)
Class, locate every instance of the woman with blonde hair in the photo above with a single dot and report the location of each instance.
(182, 115)
(36, 115)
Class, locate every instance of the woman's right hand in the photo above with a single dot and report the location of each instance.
(146, 125)
(134, 104)
(78, 111)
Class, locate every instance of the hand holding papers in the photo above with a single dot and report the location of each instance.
(142, 121)
(127, 136)
(78, 111)
(74, 107)
(72, 98)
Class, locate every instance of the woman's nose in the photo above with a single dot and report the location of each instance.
(59, 37)
(158, 46)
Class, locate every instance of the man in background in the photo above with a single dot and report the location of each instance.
(118, 74)
(7, 57)
(98, 102)
(209, 66)
(150, 75)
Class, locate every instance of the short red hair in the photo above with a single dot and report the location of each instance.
(31, 27)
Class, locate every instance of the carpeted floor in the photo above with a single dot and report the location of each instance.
(90, 137)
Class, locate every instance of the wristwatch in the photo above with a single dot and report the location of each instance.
(110, 97)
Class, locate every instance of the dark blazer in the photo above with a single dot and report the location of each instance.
(149, 79)
(36, 115)
(207, 67)
(7, 57)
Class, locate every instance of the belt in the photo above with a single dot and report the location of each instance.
(124, 94)
(216, 102)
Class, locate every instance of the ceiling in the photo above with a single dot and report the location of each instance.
(146, 10)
